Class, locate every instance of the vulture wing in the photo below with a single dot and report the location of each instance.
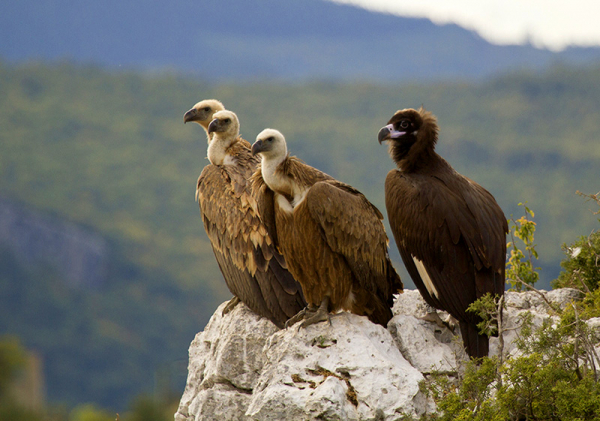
(352, 227)
(451, 236)
(253, 270)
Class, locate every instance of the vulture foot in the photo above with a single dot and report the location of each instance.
(230, 305)
(311, 315)
(320, 315)
(434, 317)
(295, 319)
(451, 323)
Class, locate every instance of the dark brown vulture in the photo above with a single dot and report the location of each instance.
(332, 237)
(450, 231)
(254, 271)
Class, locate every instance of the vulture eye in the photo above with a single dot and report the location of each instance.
(207, 109)
(404, 124)
(270, 139)
(227, 120)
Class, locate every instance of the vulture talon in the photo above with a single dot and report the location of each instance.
(321, 314)
(231, 305)
(295, 319)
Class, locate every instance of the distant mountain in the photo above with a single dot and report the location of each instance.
(259, 39)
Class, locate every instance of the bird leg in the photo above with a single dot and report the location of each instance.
(230, 305)
(451, 323)
(309, 309)
(311, 314)
(295, 319)
(320, 315)
(433, 316)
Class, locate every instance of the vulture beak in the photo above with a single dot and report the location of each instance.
(212, 127)
(257, 147)
(189, 116)
(388, 132)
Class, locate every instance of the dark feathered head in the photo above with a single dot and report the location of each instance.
(412, 135)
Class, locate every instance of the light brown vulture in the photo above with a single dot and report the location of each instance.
(254, 271)
(332, 237)
(202, 113)
(450, 231)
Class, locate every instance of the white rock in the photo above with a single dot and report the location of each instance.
(314, 373)
(411, 303)
(427, 346)
(518, 304)
(243, 368)
(225, 363)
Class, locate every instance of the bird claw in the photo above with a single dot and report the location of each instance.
(295, 319)
(320, 315)
(434, 317)
(311, 315)
(231, 305)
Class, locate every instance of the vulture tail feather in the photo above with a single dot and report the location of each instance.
(476, 345)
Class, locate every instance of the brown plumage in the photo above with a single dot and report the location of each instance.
(253, 270)
(450, 231)
(332, 237)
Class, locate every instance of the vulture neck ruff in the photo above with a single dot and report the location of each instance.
(218, 151)
(411, 157)
(271, 173)
(290, 193)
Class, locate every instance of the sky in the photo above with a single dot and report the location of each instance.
(552, 24)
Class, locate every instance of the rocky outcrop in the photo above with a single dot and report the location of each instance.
(243, 368)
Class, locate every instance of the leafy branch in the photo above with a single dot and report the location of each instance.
(520, 268)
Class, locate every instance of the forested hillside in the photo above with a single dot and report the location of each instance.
(110, 152)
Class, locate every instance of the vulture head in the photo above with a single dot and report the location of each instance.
(223, 131)
(202, 112)
(412, 135)
(271, 145)
(225, 125)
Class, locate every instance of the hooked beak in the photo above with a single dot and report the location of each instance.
(257, 147)
(213, 126)
(388, 132)
(189, 116)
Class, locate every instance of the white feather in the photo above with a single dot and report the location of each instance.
(425, 277)
(283, 203)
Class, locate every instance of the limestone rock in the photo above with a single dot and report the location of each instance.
(519, 303)
(427, 346)
(226, 360)
(243, 368)
(349, 370)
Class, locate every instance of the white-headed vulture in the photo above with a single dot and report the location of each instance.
(331, 236)
(450, 231)
(254, 271)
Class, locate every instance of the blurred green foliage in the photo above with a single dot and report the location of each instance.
(109, 151)
(581, 266)
(90, 412)
(12, 359)
(12, 362)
